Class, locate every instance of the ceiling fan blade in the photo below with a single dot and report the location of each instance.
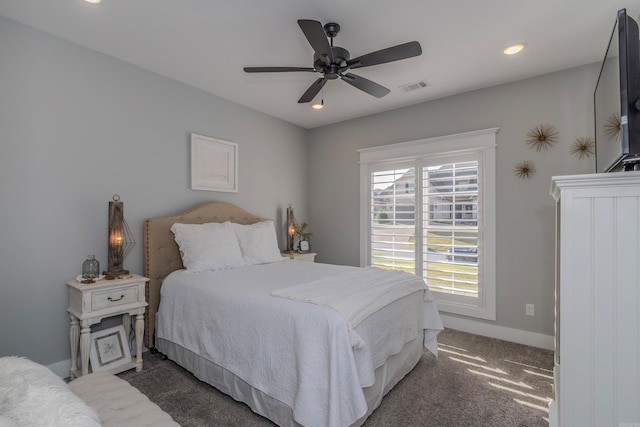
(314, 32)
(313, 90)
(390, 54)
(275, 69)
(366, 85)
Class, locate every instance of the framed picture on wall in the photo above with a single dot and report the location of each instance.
(109, 348)
(214, 164)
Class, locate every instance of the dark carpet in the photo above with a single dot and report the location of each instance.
(476, 381)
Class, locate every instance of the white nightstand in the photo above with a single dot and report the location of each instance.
(301, 256)
(90, 303)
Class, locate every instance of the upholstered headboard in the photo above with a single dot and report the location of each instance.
(161, 254)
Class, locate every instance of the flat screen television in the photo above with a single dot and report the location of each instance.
(617, 100)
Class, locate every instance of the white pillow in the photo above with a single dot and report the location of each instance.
(258, 243)
(32, 395)
(209, 246)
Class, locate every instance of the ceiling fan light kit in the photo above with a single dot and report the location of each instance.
(334, 62)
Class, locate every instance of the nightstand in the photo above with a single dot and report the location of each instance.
(91, 303)
(301, 256)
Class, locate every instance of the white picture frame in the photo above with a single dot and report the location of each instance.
(214, 164)
(109, 348)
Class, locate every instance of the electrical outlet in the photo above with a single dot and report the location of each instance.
(530, 310)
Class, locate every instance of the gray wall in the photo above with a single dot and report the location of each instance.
(526, 211)
(77, 127)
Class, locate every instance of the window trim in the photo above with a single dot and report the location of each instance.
(481, 143)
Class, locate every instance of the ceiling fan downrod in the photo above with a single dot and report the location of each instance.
(331, 30)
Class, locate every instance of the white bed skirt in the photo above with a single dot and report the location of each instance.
(386, 377)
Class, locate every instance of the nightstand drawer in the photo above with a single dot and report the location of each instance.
(114, 297)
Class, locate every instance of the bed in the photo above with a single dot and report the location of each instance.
(283, 336)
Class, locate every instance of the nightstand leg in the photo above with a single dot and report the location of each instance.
(84, 349)
(126, 321)
(74, 337)
(139, 334)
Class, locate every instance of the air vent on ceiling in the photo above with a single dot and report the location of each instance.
(410, 87)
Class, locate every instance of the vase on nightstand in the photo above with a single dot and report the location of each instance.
(90, 268)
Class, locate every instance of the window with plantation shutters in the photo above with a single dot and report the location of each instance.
(392, 219)
(428, 208)
(450, 228)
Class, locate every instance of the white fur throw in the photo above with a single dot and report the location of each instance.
(33, 396)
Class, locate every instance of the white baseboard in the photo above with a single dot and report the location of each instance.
(499, 332)
(63, 367)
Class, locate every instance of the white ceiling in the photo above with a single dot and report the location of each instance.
(206, 43)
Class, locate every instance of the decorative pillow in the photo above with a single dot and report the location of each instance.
(258, 243)
(31, 395)
(209, 246)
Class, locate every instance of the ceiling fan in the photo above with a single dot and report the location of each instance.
(334, 62)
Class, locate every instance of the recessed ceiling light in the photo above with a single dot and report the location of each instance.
(514, 48)
(93, 1)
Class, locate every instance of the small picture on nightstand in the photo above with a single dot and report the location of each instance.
(109, 348)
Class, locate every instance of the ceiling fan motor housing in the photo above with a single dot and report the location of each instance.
(340, 57)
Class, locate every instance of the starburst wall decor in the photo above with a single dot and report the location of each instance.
(583, 147)
(525, 169)
(612, 126)
(542, 137)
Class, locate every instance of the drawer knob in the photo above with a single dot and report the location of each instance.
(114, 300)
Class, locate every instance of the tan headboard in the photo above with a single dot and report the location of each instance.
(161, 254)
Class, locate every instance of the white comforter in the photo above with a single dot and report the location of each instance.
(357, 294)
(298, 353)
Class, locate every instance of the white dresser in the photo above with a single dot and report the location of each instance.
(597, 371)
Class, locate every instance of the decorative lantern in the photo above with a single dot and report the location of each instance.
(121, 239)
(291, 229)
(90, 269)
